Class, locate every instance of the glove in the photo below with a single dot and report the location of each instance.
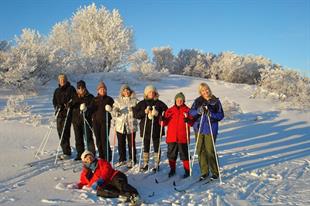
(186, 119)
(150, 116)
(202, 109)
(154, 112)
(68, 104)
(108, 108)
(147, 110)
(83, 107)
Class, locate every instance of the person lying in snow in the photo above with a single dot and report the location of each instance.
(109, 183)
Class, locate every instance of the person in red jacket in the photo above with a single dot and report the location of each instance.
(176, 118)
(110, 183)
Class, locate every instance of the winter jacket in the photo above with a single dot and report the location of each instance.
(139, 113)
(62, 97)
(76, 102)
(97, 108)
(174, 119)
(216, 114)
(103, 171)
(123, 115)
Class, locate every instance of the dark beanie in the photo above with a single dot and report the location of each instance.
(81, 83)
(179, 95)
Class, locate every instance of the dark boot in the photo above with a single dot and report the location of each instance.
(145, 166)
(171, 173)
(186, 174)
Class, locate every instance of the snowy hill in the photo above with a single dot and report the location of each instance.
(263, 151)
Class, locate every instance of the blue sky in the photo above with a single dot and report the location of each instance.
(277, 29)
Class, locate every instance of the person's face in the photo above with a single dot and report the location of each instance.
(151, 95)
(179, 102)
(126, 93)
(80, 90)
(205, 93)
(102, 91)
(88, 159)
(62, 81)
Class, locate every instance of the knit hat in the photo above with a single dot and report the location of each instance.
(179, 95)
(150, 88)
(101, 85)
(85, 153)
(81, 84)
(62, 76)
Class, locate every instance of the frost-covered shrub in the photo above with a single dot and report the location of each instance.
(16, 105)
(285, 85)
(231, 108)
(233, 68)
(143, 68)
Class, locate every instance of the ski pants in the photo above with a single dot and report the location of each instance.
(117, 186)
(206, 155)
(102, 140)
(121, 138)
(79, 138)
(65, 142)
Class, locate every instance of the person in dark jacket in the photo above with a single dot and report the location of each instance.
(109, 183)
(175, 118)
(100, 109)
(149, 109)
(81, 100)
(207, 105)
(62, 101)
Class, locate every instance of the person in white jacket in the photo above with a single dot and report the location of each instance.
(125, 125)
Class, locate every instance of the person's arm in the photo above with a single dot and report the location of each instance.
(139, 111)
(217, 115)
(84, 178)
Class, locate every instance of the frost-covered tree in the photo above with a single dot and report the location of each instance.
(4, 50)
(285, 85)
(27, 63)
(93, 40)
(230, 67)
(164, 59)
(141, 65)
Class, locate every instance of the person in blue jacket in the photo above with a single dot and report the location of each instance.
(206, 105)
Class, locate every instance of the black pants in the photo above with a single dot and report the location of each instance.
(79, 138)
(65, 143)
(121, 138)
(102, 140)
(175, 148)
(147, 142)
(118, 186)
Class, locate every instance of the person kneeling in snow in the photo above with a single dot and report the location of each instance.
(110, 183)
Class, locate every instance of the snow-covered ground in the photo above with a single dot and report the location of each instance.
(263, 151)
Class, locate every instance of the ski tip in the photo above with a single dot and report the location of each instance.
(174, 184)
(156, 181)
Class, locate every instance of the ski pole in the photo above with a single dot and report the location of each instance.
(151, 139)
(85, 132)
(107, 135)
(214, 147)
(62, 134)
(188, 142)
(142, 146)
(198, 136)
(132, 137)
(114, 143)
(46, 137)
(90, 127)
(160, 136)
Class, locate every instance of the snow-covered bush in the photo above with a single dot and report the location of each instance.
(231, 108)
(233, 68)
(144, 68)
(27, 63)
(164, 59)
(285, 85)
(16, 105)
(93, 40)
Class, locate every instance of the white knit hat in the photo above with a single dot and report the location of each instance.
(148, 89)
(85, 153)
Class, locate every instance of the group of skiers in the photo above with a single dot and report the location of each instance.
(96, 114)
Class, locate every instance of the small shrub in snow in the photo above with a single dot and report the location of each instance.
(285, 85)
(231, 108)
(16, 105)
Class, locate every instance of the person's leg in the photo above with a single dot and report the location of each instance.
(65, 144)
(156, 151)
(183, 149)
(121, 138)
(202, 156)
(108, 191)
(146, 152)
(90, 141)
(79, 139)
(211, 156)
(172, 155)
(99, 140)
(120, 182)
(131, 139)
